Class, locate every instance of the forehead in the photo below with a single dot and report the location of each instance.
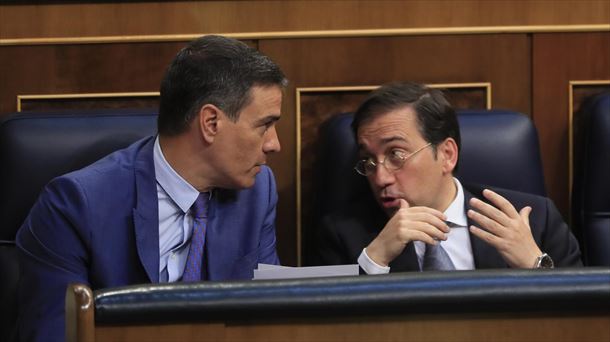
(263, 101)
(266, 95)
(398, 124)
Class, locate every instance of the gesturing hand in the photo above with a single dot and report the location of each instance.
(408, 224)
(505, 229)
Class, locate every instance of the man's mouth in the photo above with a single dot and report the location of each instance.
(390, 202)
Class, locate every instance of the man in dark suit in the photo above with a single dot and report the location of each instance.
(425, 219)
(196, 202)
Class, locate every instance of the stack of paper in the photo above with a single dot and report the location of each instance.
(265, 271)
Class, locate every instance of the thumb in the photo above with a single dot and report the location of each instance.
(403, 204)
(525, 214)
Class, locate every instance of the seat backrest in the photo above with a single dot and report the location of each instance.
(35, 148)
(499, 148)
(591, 183)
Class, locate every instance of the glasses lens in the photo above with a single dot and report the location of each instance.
(394, 161)
(360, 167)
(365, 167)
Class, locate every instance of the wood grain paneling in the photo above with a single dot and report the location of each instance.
(192, 17)
(430, 328)
(558, 59)
(76, 69)
(87, 101)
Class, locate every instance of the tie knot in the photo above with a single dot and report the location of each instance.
(199, 209)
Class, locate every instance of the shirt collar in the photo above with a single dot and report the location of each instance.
(455, 212)
(178, 189)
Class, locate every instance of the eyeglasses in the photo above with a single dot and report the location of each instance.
(392, 161)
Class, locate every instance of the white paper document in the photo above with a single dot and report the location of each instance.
(266, 271)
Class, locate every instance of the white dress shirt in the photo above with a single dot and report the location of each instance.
(457, 244)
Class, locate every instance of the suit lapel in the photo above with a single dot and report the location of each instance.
(485, 255)
(146, 212)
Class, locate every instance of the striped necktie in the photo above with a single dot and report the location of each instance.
(194, 261)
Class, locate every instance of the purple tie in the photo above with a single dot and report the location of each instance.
(194, 262)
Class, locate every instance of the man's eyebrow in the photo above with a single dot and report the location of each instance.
(386, 141)
(392, 139)
(268, 119)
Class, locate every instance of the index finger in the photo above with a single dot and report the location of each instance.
(501, 203)
(428, 210)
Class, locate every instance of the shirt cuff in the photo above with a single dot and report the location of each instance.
(369, 266)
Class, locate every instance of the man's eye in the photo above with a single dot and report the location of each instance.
(398, 154)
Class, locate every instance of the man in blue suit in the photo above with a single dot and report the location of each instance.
(129, 217)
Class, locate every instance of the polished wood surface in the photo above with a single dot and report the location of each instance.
(504, 327)
(79, 314)
(191, 17)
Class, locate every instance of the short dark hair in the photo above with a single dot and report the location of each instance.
(436, 118)
(212, 70)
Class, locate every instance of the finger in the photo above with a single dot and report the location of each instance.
(422, 214)
(433, 231)
(485, 222)
(525, 214)
(428, 210)
(425, 233)
(403, 203)
(501, 203)
(484, 235)
(489, 211)
(423, 237)
(429, 219)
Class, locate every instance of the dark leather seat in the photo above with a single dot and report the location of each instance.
(591, 183)
(36, 147)
(499, 148)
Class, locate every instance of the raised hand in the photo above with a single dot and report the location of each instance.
(408, 224)
(505, 229)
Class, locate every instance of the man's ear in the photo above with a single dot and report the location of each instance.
(448, 151)
(209, 122)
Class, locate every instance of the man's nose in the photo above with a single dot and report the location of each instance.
(382, 177)
(272, 142)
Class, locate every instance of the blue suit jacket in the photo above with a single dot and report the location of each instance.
(99, 226)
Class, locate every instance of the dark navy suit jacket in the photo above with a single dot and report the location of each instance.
(342, 236)
(99, 226)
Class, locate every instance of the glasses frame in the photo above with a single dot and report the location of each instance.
(385, 157)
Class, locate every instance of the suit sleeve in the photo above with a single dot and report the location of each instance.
(558, 241)
(52, 254)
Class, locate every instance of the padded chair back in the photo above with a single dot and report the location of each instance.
(35, 148)
(591, 183)
(499, 148)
